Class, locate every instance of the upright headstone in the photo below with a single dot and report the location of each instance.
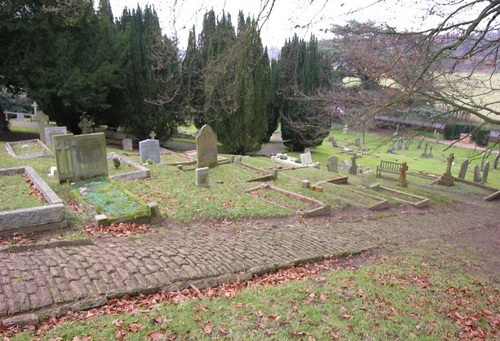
(420, 142)
(369, 180)
(407, 144)
(430, 155)
(447, 179)
(206, 148)
(424, 154)
(51, 131)
(202, 177)
(306, 183)
(345, 129)
(357, 142)
(393, 147)
(127, 144)
(20, 117)
(477, 174)
(85, 124)
(483, 160)
(486, 171)
(354, 168)
(436, 135)
(149, 150)
(400, 143)
(42, 120)
(80, 157)
(495, 163)
(402, 175)
(463, 169)
(333, 141)
(306, 158)
(332, 165)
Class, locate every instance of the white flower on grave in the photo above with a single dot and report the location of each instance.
(24, 147)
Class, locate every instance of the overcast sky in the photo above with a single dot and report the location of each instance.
(286, 18)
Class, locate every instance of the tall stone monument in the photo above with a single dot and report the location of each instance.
(206, 148)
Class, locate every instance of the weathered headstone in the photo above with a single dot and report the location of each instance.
(51, 131)
(306, 158)
(407, 144)
(424, 154)
(400, 143)
(420, 142)
(447, 179)
(333, 141)
(357, 142)
(149, 150)
(369, 180)
(495, 163)
(42, 120)
(206, 148)
(306, 183)
(345, 129)
(354, 168)
(483, 160)
(202, 177)
(332, 165)
(402, 175)
(486, 171)
(436, 135)
(80, 157)
(85, 124)
(127, 144)
(463, 169)
(477, 174)
(20, 117)
(430, 155)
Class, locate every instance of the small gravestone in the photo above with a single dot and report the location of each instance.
(354, 168)
(202, 177)
(483, 160)
(447, 179)
(477, 174)
(495, 163)
(369, 180)
(393, 147)
(149, 150)
(20, 117)
(486, 170)
(306, 183)
(424, 154)
(436, 135)
(357, 142)
(85, 124)
(430, 155)
(306, 158)
(80, 157)
(333, 141)
(332, 165)
(420, 142)
(407, 144)
(42, 120)
(463, 169)
(127, 144)
(345, 129)
(51, 131)
(400, 143)
(206, 148)
(402, 175)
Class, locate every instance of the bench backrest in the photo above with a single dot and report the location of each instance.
(390, 165)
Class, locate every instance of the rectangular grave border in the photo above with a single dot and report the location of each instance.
(140, 172)
(266, 176)
(46, 152)
(381, 204)
(422, 202)
(33, 219)
(322, 208)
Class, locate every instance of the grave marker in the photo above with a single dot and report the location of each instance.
(332, 165)
(420, 142)
(206, 148)
(354, 168)
(127, 144)
(495, 163)
(486, 171)
(477, 174)
(407, 144)
(483, 159)
(447, 179)
(357, 142)
(369, 180)
(85, 124)
(42, 120)
(400, 143)
(463, 169)
(80, 157)
(402, 175)
(202, 177)
(306, 158)
(149, 150)
(51, 131)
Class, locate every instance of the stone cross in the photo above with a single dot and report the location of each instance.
(84, 124)
(447, 179)
(152, 135)
(35, 107)
(42, 119)
(402, 175)
(354, 168)
(450, 162)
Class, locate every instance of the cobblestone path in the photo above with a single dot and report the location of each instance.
(76, 277)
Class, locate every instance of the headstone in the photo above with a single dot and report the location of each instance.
(202, 177)
(420, 142)
(149, 150)
(407, 144)
(206, 147)
(424, 154)
(85, 124)
(463, 169)
(400, 143)
(127, 144)
(430, 155)
(402, 175)
(306, 158)
(306, 183)
(347, 164)
(486, 170)
(51, 131)
(436, 135)
(20, 117)
(354, 168)
(357, 142)
(42, 120)
(332, 165)
(35, 107)
(345, 129)
(477, 174)
(80, 157)
(333, 141)
(369, 180)
(397, 130)
(483, 159)
(152, 135)
(495, 163)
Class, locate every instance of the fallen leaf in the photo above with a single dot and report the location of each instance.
(134, 327)
(207, 329)
(156, 336)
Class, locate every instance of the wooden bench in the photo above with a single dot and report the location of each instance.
(388, 166)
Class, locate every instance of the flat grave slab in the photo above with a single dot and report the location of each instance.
(34, 219)
(29, 149)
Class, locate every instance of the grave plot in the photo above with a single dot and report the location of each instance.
(315, 175)
(356, 197)
(122, 168)
(110, 202)
(262, 175)
(302, 205)
(407, 198)
(29, 149)
(22, 212)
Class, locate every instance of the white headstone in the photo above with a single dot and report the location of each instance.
(51, 131)
(306, 158)
(202, 177)
(149, 150)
